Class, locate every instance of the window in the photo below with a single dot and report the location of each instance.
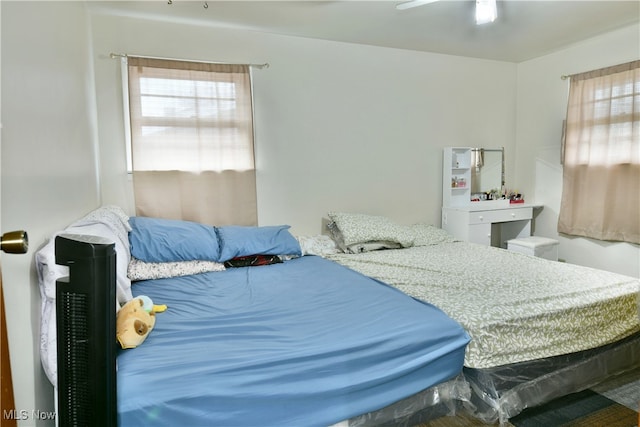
(601, 173)
(191, 150)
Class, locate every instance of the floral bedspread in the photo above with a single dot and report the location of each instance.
(515, 307)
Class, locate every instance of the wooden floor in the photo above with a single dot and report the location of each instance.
(614, 416)
(623, 390)
(460, 420)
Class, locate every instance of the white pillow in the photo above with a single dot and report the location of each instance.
(319, 245)
(109, 222)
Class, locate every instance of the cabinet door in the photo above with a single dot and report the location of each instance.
(480, 233)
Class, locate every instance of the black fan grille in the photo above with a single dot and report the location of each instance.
(75, 370)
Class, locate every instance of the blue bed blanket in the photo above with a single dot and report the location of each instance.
(303, 343)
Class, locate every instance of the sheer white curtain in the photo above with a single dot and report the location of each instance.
(192, 141)
(601, 172)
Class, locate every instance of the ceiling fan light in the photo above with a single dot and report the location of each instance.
(486, 11)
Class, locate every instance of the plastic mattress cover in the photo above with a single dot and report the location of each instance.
(438, 401)
(500, 393)
(497, 394)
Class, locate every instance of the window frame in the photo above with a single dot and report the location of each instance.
(124, 66)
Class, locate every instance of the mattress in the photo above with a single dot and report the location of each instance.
(305, 342)
(515, 307)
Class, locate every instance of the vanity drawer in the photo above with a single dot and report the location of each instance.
(500, 215)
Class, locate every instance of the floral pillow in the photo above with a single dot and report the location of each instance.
(362, 228)
(336, 236)
(427, 235)
(141, 270)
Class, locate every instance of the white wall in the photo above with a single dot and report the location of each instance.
(338, 126)
(48, 162)
(542, 101)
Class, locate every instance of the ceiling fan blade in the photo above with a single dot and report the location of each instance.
(413, 3)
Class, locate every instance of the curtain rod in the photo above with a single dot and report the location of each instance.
(124, 55)
(626, 66)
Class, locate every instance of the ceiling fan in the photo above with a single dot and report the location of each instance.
(486, 10)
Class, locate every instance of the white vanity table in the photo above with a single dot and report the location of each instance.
(488, 223)
(468, 173)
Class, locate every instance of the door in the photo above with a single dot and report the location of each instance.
(15, 242)
(7, 402)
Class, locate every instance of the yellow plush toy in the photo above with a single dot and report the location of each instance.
(135, 320)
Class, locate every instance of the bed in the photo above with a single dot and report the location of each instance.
(258, 333)
(539, 329)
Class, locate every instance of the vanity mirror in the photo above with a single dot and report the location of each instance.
(487, 173)
(472, 175)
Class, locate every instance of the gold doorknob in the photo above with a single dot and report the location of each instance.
(15, 242)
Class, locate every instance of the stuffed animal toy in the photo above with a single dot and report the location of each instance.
(135, 320)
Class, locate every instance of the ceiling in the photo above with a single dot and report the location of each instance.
(523, 30)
